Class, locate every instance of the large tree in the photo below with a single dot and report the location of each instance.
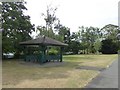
(50, 19)
(42, 31)
(89, 38)
(16, 26)
(110, 43)
(110, 31)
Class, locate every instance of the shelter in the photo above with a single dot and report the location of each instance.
(43, 42)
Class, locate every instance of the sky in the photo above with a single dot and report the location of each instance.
(75, 13)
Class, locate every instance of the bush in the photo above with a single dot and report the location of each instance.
(109, 47)
(52, 52)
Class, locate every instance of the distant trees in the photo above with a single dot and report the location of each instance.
(110, 44)
(16, 26)
(74, 47)
(87, 40)
(95, 40)
(110, 32)
(90, 39)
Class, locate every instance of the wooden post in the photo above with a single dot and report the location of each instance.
(24, 56)
(43, 54)
(61, 48)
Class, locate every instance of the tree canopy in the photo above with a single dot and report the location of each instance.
(16, 26)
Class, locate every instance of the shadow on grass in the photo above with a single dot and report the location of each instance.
(90, 68)
(78, 58)
(15, 71)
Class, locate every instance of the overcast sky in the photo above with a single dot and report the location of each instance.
(75, 13)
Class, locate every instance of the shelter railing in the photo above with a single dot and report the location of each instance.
(38, 58)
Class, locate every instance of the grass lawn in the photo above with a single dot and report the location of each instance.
(17, 74)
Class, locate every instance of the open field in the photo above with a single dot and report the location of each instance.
(19, 74)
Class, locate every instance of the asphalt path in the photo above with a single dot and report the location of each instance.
(108, 78)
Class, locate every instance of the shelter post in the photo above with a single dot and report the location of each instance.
(43, 58)
(61, 49)
(24, 55)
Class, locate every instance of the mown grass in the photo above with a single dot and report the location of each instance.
(101, 61)
(17, 74)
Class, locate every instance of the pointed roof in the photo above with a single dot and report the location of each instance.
(43, 40)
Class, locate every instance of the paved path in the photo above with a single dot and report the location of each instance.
(107, 78)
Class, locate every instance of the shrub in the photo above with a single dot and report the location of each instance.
(109, 47)
(52, 52)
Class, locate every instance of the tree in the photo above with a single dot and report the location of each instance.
(110, 31)
(16, 26)
(97, 46)
(82, 38)
(50, 19)
(94, 36)
(74, 47)
(43, 32)
(63, 33)
(109, 47)
(89, 36)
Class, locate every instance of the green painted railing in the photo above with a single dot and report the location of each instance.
(38, 58)
(53, 57)
(34, 58)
